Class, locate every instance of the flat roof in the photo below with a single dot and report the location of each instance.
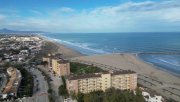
(84, 76)
(123, 72)
(62, 61)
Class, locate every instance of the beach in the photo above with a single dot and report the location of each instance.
(59, 48)
(149, 76)
(125, 61)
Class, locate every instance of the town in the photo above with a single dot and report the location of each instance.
(31, 72)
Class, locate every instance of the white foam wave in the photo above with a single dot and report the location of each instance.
(170, 61)
(84, 46)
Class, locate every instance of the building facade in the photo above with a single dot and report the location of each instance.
(59, 66)
(101, 81)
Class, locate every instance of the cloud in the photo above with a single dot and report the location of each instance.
(66, 10)
(36, 12)
(2, 17)
(126, 17)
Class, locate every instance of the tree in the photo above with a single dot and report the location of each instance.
(63, 90)
(50, 91)
(139, 97)
(44, 63)
(111, 95)
(63, 80)
(72, 94)
(95, 96)
(80, 97)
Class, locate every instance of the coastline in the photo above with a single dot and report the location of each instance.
(62, 49)
(160, 79)
(132, 58)
(71, 53)
(157, 67)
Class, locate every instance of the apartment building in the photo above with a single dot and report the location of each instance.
(59, 66)
(101, 81)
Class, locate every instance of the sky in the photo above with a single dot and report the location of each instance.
(91, 15)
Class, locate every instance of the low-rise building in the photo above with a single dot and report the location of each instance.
(101, 81)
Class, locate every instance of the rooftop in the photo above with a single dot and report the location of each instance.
(123, 72)
(83, 76)
(63, 61)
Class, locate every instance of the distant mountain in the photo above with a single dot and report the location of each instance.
(5, 30)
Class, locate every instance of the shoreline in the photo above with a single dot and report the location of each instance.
(160, 79)
(157, 67)
(62, 49)
(71, 53)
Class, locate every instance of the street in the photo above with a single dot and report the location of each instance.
(40, 87)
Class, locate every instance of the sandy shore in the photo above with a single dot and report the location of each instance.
(65, 51)
(122, 61)
(132, 62)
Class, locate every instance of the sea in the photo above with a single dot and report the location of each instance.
(160, 49)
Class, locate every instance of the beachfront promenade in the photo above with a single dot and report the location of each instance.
(161, 87)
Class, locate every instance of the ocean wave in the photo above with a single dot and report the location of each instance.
(84, 46)
(168, 61)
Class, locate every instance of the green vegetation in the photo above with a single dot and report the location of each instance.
(78, 68)
(63, 91)
(111, 95)
(44, 63)
(48, 79)
(62, 88)
(27, 83)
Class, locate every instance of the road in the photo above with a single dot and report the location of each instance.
(40, 87)
(55, 83)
